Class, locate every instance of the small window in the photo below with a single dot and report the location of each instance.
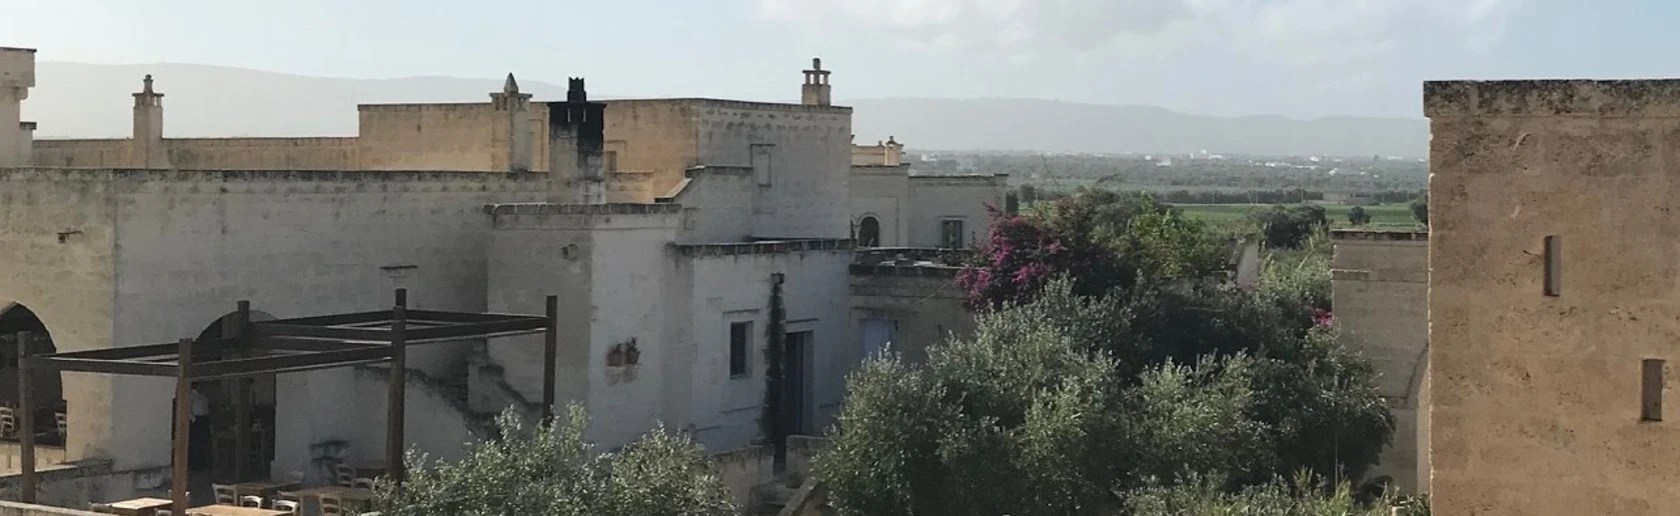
(869, 232)
(740, 344)
(951, 233)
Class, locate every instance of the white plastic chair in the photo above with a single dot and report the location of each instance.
(225, 494)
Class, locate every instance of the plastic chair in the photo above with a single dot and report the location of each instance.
(364, 483)
(332, 506)
(225, 494)
(288, 506)
(63, 428)
(8, 422)
(251, 501)
(344, 476)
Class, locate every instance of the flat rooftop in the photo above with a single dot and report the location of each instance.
(1645, 98)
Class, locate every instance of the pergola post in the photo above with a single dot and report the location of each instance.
(25, 420)
(235, 327)
(179, 475)
(551, 352)
(394, 443)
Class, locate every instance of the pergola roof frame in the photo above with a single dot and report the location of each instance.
(285, 346)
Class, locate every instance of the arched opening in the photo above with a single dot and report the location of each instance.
(869, 232)
(211, 445)
(46, 386)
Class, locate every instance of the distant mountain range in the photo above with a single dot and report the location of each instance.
(92, 101)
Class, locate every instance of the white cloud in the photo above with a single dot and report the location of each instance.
(1295, 32)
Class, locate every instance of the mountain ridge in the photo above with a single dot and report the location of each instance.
(87, 100)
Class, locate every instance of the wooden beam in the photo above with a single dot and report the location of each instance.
(471, 330)
(333, 319)
(179, 475)
(459, 317)
(551, 354)
(287, 363)
(88, 365)
(301, 344)
(394, 443)
(26, 420)
(272, 329)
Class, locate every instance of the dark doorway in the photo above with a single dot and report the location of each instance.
(796, 388)
(212, 442)
(869, 232)
(46, 387)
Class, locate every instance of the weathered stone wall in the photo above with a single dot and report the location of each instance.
(924, 301)
(1381, 286)
(1536, 399)
(883, 193)
(81, 153)
(426, 136)
(937, 198)
(808, 162)
(659, 136)
(153, 256)
(264, 153)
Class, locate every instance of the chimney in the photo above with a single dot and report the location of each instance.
(17, 75)
(816, 91)
(576, 146)
(894, 152)
(511, 134)
(146, 148)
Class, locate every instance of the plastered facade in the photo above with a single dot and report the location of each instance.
(1536, 398)
(1380, 285)
(910, 210)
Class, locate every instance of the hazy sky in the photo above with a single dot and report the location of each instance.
(1228, 57)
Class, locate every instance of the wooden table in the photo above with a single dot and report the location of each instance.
(140, 506)
(230, 510)
(264, 488)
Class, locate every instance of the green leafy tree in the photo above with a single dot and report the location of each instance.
(1055, 405)
(1358, 217)
(1289, 227)
(1305, 496)
(551, 469)
(1420, 209)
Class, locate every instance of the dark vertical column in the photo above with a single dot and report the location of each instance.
(551, 354)
(775, 376)
(179, 475)
(25, 419)
(394, 443)
(235, 328)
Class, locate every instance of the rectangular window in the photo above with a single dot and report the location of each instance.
(1651, 390)
(951, 233)
(740, 344)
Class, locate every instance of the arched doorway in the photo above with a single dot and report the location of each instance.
(46, 388)
(212, 441)
(869, 232)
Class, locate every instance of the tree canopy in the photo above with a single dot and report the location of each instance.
(551, 469)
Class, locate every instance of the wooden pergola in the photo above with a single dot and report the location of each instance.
(251, 349)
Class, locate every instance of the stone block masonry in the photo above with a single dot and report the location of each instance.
(1535, 398)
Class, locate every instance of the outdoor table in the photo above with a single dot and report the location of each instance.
(264, 488)
(140, 506)
(232, 510)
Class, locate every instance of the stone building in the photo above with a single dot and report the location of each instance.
(1552, 289)
(1380, 286)
(894, 207)
(683, 236)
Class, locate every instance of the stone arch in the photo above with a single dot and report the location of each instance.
(869, 231)
(46, 387)
(214, 452)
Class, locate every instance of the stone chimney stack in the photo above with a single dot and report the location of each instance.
(17, 75)
(511, 134)
(576, 147)
(894, 152)
(146, 148)
(816, 91)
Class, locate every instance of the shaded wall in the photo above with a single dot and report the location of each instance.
(1380, 291)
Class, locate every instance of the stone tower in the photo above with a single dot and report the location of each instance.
(511, 134)
(146, 149)
(576, 145)
(17, 75)
(816, 91)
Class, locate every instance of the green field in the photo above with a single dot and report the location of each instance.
(1386, 216)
